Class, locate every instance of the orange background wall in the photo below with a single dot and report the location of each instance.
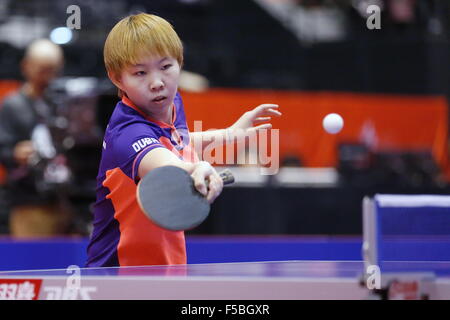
(6, 87)
(398, 122)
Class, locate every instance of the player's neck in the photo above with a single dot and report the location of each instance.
(164, 115)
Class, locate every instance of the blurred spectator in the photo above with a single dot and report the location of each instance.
(35, 168)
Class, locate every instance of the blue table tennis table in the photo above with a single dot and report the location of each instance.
(277, 280)
(405, 253)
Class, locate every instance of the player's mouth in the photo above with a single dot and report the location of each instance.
(159, 99)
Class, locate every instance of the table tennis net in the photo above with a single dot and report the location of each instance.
(410, 228)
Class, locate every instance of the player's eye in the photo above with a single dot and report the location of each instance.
(139, 73)
(166, 66)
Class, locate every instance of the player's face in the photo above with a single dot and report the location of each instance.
(152, 84)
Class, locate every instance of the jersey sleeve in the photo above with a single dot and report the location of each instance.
(133, 143)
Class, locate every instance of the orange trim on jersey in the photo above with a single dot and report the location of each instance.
(168, 144)
(141, 241)
(189, 153)
(162, 124)
(183, 153)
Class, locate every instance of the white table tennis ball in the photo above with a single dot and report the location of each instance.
(333, 123)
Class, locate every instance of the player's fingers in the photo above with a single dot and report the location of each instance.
(262, 127)
(215, 183)
(200, 184)
(262, 119)
(274, 112)
(270, 112)
(212, 196)
(215, 188)
(263, 108)
(202, 170)
(267, 106)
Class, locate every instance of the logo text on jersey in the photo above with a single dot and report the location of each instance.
(142, 143)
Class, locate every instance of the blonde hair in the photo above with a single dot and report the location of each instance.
(138, 35)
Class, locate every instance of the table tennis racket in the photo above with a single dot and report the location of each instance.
(167, 195)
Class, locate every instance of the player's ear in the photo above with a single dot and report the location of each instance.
(115, 79)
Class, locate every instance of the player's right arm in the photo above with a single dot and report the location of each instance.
(200, 171)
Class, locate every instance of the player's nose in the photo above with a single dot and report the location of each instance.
(156, 84)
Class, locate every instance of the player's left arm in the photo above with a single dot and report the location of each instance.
(251, 121)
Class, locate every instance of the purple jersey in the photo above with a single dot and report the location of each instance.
(122, 234)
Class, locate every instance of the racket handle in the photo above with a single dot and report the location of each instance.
(227, 176)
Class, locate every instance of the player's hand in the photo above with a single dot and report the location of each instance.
(207, 181)
(23, 151)
(255, 119)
